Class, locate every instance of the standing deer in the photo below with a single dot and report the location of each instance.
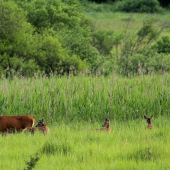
(10, 124)
(106, 126)
(41, 127)
(149, 121)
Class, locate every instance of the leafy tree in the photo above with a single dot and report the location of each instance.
(103, 40)
(70, 26)
(14, 33)
(162, 45)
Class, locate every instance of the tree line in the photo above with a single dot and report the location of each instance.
(55, 36)
(163, 3)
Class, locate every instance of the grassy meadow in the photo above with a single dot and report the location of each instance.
(77, 146)
(119, 21)
(73, 107)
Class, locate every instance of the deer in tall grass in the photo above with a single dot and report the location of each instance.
(41, 127)
(149, 121)
(12, 124)
(105, 126)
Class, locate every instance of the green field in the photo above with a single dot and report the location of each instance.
(118, 21)
(77, 146)
(73, 107)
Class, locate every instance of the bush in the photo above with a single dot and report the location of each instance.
(73, 65)
(103, 65)
(103, 40)
(162, 45)
(148, 6)
(149, 61)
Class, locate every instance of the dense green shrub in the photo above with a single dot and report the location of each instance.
(78, 42)
(148, 6)
(135, 55)
(103, 65)
(162, 45)
(15, 40)
(73, 65)
(71, 30)
(103, 40)
(145, 63)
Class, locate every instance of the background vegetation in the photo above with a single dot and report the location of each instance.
(163, 3)
(73, 99)
(60, 36)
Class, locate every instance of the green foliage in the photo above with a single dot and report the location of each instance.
(78, 42)
(56, 37)
(32, 163)
(61, 37)
(103, 40)
(53, 14)
(145, 63)
(135, 55)
(48, 51)
(103, 66)
(148, 6)
(69, 35)
(162, 45)
(73, 65)
(73, 99)
(14, 33)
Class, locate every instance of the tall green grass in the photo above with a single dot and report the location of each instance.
(78, 146)
(73, 107)
(86, 98)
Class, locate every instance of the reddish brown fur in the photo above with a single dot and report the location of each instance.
(106, 126)
(149, 121)
(10, 124)
(41, 127)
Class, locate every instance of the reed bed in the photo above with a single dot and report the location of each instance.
(86, 98)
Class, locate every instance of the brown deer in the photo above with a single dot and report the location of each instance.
(41, 127)
(106, 126)
(149, 121)
(10, 124)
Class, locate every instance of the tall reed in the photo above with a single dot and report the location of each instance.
(86, 98)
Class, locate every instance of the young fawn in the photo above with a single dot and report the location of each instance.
(106, 126)
(41, 127)
(149, 121)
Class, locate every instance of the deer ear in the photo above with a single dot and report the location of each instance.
(152, 117)
(106, 119)
(145, 117)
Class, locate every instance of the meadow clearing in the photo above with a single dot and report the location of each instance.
(72, 107)
(119, 21)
